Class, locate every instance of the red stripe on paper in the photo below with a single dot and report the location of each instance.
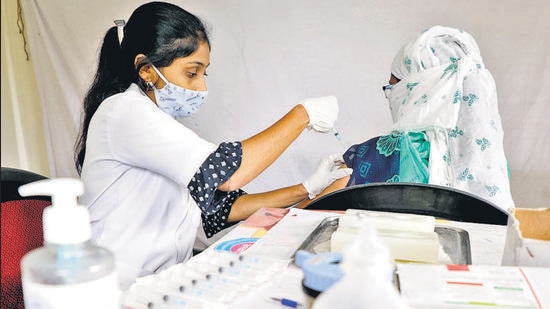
(465, 283)
(452, 267)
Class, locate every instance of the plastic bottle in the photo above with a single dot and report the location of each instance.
(69, 271)
(321, 271)
(368, 277)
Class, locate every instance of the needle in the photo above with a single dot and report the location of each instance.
(336, 134)
(287, 302)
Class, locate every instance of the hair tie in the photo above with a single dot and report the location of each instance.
(120, 23)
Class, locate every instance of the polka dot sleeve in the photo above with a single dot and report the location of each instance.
(214, 204)
(217, 221)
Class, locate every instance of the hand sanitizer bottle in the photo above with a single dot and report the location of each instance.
(69, 271)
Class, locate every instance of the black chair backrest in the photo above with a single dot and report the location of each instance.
(423, 199)
(13, 178)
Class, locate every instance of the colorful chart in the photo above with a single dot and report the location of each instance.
(236, 245)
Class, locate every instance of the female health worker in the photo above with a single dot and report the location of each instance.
(149, 180)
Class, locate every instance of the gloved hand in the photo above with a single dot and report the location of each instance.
(322, 112)
(326, 173)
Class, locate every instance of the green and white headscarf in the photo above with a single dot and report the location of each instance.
(446, 92)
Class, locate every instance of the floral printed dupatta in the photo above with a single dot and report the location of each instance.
(446, 118)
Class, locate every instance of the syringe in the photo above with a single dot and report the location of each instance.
(336, 134)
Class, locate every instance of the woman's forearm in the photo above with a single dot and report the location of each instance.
(247, 204)
(262, 149)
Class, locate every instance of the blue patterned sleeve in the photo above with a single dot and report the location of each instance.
(214, 204)
(376, 160)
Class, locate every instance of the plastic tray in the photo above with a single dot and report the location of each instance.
(455, 242)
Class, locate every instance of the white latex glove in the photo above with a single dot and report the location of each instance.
(322, 112)
(326, 173)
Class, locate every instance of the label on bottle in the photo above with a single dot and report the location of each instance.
(100, 293)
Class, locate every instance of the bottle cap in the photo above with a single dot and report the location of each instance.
(65, 221)
(320, 270)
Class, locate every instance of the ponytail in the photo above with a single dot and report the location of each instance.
(113, 76)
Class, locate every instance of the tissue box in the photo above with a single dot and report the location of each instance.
(527, 238)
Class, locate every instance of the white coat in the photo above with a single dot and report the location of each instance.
(138, 163)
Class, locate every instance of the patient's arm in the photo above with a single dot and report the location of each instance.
(336, 185)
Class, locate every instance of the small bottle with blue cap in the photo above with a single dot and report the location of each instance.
(366, 277)
(320, 270)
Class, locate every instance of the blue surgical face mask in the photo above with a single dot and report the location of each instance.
(177, 101)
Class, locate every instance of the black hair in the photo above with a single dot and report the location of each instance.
(162, 32)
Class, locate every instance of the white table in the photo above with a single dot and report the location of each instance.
(282, 240)
(275, 234)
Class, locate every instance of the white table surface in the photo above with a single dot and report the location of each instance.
(281, 241)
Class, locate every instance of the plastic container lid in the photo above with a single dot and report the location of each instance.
(65, 221)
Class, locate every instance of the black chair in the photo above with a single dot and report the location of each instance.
(423, 199)
(13, 178)
(21, 224)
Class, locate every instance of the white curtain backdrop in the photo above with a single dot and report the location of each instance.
(268, 55)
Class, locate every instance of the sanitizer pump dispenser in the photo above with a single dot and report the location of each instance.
(69, 271)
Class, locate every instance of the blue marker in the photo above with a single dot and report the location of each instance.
(287, 302)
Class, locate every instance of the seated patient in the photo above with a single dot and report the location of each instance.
(446, 125)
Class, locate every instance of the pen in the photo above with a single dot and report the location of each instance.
(287, 302)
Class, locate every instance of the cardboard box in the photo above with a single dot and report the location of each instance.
(527, 238)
